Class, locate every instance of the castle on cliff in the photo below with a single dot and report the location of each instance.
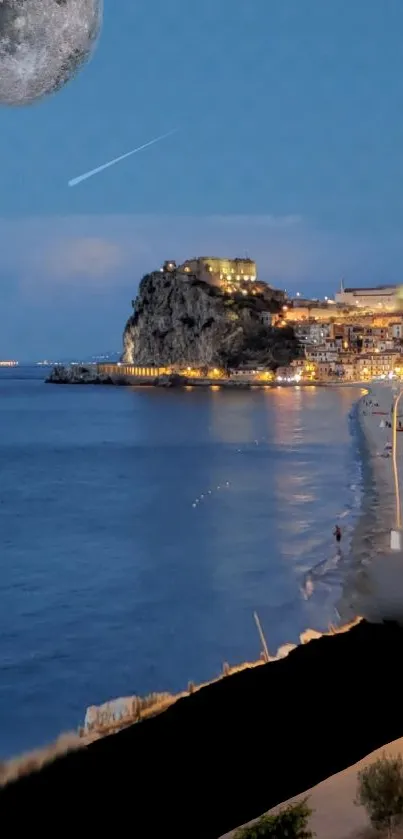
(230, 275)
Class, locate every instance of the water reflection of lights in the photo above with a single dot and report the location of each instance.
(287, 404)
(233, 415)
(291, 486)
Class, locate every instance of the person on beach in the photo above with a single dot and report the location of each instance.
(337, 533)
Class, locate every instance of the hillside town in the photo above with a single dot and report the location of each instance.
(354, 336)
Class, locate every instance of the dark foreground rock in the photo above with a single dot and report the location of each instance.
(229, 752)
(77, 375)
(172, 380)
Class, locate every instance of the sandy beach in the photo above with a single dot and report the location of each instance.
(379, 584)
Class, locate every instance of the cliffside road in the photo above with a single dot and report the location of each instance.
(230, 752)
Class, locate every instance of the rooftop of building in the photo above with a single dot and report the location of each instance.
(366, 289)
(241, 259)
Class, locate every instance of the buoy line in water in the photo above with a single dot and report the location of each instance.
(225, 484)
(205, 495)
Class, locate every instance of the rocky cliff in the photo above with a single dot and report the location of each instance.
(77, 374)
(178, 319)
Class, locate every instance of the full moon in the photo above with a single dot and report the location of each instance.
(43, 44)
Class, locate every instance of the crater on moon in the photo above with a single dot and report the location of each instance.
(43, 44)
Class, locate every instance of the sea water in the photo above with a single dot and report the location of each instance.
(141, 528)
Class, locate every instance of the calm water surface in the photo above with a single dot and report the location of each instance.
(112, 582)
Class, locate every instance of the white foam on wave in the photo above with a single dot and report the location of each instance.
(330, 573)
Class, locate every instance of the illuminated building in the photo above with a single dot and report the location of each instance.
(371, 365)
(382, 297)
(227, 274)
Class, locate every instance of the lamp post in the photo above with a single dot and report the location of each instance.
(396, 535)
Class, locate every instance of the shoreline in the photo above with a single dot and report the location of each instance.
(375, 580)
(87, 375)
(348, 604)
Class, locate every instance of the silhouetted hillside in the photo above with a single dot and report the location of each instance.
(230, 751)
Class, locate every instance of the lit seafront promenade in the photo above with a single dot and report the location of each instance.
(145, 376)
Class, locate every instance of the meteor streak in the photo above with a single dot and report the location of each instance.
(96, 171)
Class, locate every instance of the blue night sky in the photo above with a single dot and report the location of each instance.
(290, 117)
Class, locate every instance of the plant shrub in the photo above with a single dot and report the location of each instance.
(290, 823)
(380, 791)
